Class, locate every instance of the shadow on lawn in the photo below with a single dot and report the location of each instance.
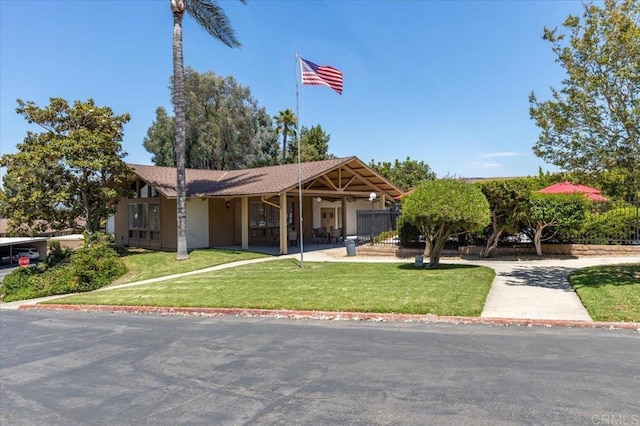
(442, 267)
(614, 275)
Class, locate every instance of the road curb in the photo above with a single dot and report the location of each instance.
(335, 316)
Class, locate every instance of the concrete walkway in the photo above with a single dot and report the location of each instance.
(531, 289)
(523, 289)
(539, 289)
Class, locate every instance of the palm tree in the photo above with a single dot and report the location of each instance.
(286, 124)
(213, 20)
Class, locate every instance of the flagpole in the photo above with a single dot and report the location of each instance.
(299, 167)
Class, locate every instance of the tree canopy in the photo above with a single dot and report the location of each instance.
(72, 169)
(444, 208)
(508, 204)
(314, 145)
(593, 122)
(225, 127)
(554, 211)
(404, 174)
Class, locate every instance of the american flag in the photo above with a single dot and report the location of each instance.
(321, 75)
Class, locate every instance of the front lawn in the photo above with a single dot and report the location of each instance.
(458, 290)
(610, 293)
(145, 264)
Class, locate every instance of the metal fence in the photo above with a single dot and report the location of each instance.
(377, 226)
(607, 223)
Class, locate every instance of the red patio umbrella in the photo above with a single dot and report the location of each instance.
(572, 188)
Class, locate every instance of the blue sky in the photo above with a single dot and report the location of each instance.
(445, 82)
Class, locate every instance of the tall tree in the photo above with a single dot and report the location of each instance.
(593, 122)
(225, 127)
(404, 174)
(213, 20)
(72, 170)
(314, 145)
(445, 208)
(286, 122)
(160, 139)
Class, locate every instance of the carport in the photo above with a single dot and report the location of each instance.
(9, 244)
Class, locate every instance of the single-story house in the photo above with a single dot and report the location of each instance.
(249, 207)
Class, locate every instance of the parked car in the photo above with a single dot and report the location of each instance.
(29, 252)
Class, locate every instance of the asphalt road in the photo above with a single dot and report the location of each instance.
(66, 368)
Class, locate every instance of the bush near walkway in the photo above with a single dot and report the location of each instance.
(611, 292)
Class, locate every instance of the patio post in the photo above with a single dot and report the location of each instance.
(283, 224)
(245, 223)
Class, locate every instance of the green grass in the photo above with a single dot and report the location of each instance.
(458, 290)
(145, 264)
(610, 293)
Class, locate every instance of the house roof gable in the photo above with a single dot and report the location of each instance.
(348, 175)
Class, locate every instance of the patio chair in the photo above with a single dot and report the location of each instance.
(318, 235)
(335, 234)
(292, 237)
(275, 236)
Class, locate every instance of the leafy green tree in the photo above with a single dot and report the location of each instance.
(508, 204)
(445, 208)
(593, 122)
(555, 212)
(314, 145)
(71, 170)
(213, 20)
(286, 122)
(225, 127)
(616, 184)
(160, 139)
(404, 174)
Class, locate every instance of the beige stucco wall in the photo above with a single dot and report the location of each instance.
(197, 223)
(352, 216)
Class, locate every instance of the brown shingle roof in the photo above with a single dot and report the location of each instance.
(258, 181)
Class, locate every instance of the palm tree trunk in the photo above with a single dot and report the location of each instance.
(284, 144)
(179, 110)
